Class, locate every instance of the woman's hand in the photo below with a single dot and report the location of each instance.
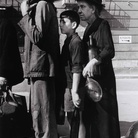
(89, 68)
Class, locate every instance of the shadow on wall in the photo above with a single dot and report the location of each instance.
(116, 16)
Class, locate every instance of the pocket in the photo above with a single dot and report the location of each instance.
(38, 61)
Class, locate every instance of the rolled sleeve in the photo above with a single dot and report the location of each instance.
(77, 60)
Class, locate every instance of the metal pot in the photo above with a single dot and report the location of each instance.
(93, 89)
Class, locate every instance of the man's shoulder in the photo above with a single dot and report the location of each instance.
(42, 3)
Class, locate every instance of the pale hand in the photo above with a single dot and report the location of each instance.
(76, 99)
(89, 68)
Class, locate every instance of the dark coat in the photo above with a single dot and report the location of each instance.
(10, 61)
(101, 118)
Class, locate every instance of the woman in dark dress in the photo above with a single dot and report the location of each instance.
(101, 118)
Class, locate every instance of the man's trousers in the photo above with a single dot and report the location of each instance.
(42, 107)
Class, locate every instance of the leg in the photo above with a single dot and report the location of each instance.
(69, 117)
(42, 107)
(68, 106)
(82, 131)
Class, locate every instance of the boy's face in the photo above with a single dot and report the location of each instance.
(65, 25)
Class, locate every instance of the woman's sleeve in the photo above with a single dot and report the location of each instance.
(107, 51)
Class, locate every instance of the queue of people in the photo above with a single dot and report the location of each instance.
(52, 74)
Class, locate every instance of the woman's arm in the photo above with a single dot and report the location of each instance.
(107, 51)
(106, 42)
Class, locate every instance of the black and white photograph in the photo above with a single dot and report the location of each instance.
(68, 68)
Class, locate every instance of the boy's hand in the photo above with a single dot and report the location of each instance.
(76, 99)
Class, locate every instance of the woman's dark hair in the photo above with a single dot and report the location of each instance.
(72, 15)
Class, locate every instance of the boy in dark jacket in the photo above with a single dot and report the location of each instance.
(71, 67)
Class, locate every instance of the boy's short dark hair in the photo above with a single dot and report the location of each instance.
(72, 15)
